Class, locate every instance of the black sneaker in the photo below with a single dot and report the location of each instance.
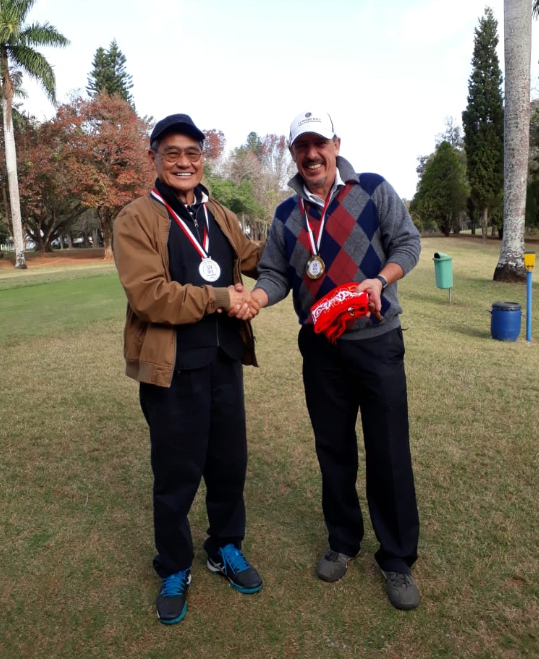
(172, 598)
(233, 565)
(401, 590)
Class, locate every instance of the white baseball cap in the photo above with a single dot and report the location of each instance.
(312, 122)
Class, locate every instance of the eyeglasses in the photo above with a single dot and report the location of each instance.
(191, 153)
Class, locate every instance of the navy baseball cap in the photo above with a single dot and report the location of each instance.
(177, 123)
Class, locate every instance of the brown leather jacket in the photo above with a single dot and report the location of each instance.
(155, 304)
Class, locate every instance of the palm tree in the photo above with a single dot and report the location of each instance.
(17, 43)
(517, 52)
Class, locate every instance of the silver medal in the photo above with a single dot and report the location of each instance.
(209, 270)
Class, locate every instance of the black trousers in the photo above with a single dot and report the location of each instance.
(340, 380)
(197, 430)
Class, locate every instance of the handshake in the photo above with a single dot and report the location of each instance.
(245, 304)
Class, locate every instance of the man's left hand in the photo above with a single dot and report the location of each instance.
(373, 287)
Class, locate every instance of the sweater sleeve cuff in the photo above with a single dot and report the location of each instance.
(222, 298)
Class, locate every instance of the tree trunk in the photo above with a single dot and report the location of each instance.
(484, 225)
(106, 219)
(6, 206)
(517, 48)
(11, 167)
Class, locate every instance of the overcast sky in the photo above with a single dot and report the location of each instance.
(388, 71)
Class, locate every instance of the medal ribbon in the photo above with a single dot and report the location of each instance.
(201, 249)
(315, 242)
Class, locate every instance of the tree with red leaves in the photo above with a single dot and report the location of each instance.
(105, 149)
(214, 144)
(49, 182)
(92, 154)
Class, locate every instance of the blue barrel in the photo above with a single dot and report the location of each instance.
(505, 321)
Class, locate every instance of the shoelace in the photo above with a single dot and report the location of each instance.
(175, 584)
(401, 579)
(233, 557)
(334, 556)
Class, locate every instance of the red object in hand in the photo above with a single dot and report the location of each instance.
(338, 310)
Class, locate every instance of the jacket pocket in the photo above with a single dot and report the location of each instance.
(134, 335)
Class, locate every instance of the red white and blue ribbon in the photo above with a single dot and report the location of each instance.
(315, 241)
(203, 249)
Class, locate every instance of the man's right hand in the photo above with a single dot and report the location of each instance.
(260, 296)
(243, 305)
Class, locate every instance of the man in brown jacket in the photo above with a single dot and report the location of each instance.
(180, 256)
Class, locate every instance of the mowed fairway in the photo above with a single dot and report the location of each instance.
(76, 547)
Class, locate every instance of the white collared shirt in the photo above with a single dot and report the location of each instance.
(315, 199)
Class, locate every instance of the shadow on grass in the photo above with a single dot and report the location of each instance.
(470, 331)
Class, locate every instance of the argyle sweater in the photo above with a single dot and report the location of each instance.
(367, 226)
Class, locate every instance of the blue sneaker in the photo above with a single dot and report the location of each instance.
(172, 598)
(233, 565)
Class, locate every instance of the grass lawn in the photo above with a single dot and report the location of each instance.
(76, 579)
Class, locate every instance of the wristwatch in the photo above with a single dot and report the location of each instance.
(383, 280)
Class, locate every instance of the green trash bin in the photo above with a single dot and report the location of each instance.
(443, 269)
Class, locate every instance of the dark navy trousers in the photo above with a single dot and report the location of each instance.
(341, 380)
(197, 431)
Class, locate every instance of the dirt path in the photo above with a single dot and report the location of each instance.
(61, 257)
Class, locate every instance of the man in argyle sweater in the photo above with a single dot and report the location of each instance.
(342, 227)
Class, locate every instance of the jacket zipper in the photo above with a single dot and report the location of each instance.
(165, 252)
(217, 338)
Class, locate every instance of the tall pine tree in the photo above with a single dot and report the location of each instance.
(109, 75)
(483, 121)
(442, 191)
